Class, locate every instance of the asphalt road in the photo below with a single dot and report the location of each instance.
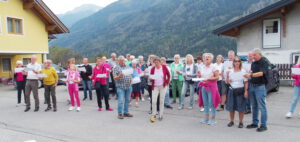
(89, 125)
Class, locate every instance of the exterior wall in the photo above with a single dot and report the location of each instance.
(34, 38)
(251, 37)
(14, 59)
(33, 41)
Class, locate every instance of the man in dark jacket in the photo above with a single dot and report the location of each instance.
(86, 72)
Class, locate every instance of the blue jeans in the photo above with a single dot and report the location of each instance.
(123, 100)
(167, 98)
(207, 102)
(185, 86)
(87, 86)
(258, 99)
(295, 99)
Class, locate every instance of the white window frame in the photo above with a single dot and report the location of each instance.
(23, 26)
(264, 30)
(294, 57)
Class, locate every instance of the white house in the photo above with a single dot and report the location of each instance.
(275, 29)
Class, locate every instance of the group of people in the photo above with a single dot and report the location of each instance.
(227, 84)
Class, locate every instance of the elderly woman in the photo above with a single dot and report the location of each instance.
(219, 66)
(177, 78)
(237, 93)
(160, 79)
(147, 72)
(144, 79)
(189, 72)
(20, 79)
(296, 91)
(209, 96)
(136, 82)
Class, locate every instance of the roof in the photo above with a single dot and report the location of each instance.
(53, 24)
(231, 28)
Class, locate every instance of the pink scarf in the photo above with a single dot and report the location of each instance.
(209, 86)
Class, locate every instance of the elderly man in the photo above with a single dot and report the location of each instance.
(86, 75)
(257, 90)
(227, 65)
(32, 70)
(247, 67)
(50, 81)
(123, 84)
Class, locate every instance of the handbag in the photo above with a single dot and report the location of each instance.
(238, 91)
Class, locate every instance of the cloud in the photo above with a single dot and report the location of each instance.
(62, 6)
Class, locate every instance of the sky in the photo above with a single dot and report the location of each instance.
(62, 6)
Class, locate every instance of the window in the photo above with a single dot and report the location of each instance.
(271, 33)
(296, 57)
(14, 26)
(6, 64)
(26, 61)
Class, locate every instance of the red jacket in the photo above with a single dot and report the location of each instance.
(100, 70)
(166, 76)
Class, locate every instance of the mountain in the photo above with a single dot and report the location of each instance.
(73, 16)
(161, 27)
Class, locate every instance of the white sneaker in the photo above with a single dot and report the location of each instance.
(202, 109)
(143, 99)
(289, 115)
(180, 108)
(190, 108)
(78, 109)
(17, 105)
(71, 108)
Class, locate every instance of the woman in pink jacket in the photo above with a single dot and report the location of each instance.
(296, 91)
(100, 82)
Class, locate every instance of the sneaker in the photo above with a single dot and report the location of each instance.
(27, 109)
(153, 120)
(99, 109)
(160, 118)
(212, 122)
(54, 110)
(109, 109)
(230, 124)
(204, 121)
(220, 109)
(19, 104)
(180, 107)
(262, 129)
(174, 102)
(190, 108)
(168, 107)
(78, 109)
(251, 126)
(49, 108)
(120, 116)
(143, 99)
(36, 109)
(241, 125)
(248, 112)
(84, 98)
(289, 115)
(202, 109)
(71, 108)
(136, 104)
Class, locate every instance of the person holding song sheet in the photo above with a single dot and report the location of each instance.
(136, 82)
(296, 77)
(100, 82)
(20, 79)
(189, 72)
(32, 70)
(160, 79)
(50, 81)
(177, 78)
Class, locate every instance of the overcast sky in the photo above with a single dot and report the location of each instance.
(62, 6)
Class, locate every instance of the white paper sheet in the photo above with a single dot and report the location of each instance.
(296, 71)
(28, 69)
(63, 79)
(155, 77)
(82, 69)
(127, 72)
(136, 80)
(19, 69)
(101, 76)
(198, 79)
(42, 75)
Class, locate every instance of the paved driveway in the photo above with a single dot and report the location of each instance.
(89, 125)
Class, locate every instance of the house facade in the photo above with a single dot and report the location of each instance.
(25, 28)
(274, 29)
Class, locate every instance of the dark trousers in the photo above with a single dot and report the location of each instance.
(50, 91)
(32, 86)
(150, 95)
(102, 92)
(114, 89)
(21, 88)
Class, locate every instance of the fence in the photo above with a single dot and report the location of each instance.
(284, 71)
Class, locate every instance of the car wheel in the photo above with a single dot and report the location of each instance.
(276, 89)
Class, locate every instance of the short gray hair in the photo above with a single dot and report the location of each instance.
(208, 54)
(176, 55)
(48, 61)
(121, 57)
(141, 57)
(257, 50)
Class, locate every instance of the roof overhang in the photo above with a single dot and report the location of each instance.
(232, 29)
(53, 24)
